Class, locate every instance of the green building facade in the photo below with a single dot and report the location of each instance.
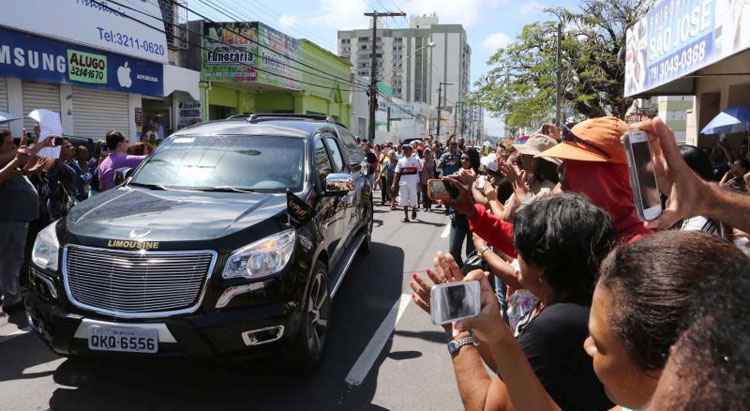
(250, 67)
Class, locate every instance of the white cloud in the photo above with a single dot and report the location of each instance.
(341, 15)
(287, 21)
(496, 41)
(532, 7)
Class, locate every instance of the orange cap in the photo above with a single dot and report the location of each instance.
(600, 136)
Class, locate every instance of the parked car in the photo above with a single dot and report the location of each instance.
(231, 239)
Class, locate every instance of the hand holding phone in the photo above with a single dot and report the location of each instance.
(455, 301)
(439, 190)
(646, 194)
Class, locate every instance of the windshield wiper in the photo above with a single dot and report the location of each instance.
(149, 186)
(226, 189)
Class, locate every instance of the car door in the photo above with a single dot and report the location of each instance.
(346, 205)
(328, 206)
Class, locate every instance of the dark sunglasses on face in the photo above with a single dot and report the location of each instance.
(568, 135)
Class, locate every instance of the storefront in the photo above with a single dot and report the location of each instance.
(248, 67)
(693, 47)
(96, 73)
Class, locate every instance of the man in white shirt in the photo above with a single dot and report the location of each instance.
(407, 181)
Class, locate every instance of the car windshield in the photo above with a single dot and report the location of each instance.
(230, 163)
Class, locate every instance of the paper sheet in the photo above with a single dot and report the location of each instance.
(50, 152)
(49, 123)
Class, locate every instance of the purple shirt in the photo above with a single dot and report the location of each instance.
(113, 162)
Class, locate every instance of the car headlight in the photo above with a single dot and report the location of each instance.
(261, 258)
(46, 248)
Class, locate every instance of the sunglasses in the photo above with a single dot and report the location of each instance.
(568, 135)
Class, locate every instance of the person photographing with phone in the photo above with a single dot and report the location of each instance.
(406, 180)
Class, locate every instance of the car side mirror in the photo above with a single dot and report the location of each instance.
(337, 184)
(122, 174)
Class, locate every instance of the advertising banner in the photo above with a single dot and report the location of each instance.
(678, 37)
(233, 51)
(101, 24)
(36, 58)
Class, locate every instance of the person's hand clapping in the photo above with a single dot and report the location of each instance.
(687, 192)
(445, 270)
(517, 178)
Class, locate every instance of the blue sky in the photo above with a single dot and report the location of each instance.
(489, 24)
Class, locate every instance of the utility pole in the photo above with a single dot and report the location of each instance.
(373, 69)
(440, 106)
(558, 116)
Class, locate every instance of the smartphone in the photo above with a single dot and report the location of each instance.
(646, 194)
(454, 301)
(481, 181)
(438, 190)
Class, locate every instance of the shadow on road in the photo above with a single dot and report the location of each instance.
(372, 287)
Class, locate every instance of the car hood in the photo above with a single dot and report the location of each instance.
(139, 213)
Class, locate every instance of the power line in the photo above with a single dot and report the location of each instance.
(204, 48)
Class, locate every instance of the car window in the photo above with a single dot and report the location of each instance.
(335, 152)
(262, 163)
(322, 162)
(356, 155)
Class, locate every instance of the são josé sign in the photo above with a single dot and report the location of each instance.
(35, 58)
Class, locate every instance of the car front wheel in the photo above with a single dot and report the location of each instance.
(316, 322)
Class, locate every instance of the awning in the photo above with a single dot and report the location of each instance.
(181, 79)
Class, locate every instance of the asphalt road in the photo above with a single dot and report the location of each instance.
(383, 352)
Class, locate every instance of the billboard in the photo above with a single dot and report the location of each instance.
(31, 57)
(678, 37)
(101, 24)
(235, 51)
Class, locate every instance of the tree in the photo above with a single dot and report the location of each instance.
(522, 82)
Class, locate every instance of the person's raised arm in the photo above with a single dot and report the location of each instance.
(689, 195)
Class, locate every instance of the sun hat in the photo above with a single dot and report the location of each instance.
(535, 145)
(596, 139)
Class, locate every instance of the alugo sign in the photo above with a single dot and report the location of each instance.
(35, 58)
(678, 37)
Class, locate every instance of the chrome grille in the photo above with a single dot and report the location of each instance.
(134, 284)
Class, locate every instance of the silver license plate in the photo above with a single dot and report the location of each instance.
(123, 339)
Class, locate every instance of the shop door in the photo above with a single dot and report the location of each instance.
(39, 95)
(95, 112)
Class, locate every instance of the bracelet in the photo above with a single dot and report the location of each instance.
(483, 250)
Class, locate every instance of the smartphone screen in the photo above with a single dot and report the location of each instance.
(642, 168)
(455, 301)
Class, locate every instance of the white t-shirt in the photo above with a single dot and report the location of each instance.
(409, 169)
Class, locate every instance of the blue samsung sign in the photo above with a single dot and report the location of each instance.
(36, 58)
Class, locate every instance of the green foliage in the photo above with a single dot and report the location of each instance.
(523, 79)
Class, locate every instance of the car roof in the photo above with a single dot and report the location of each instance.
(291, 127)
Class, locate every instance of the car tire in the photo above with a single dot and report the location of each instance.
(309, 346)
(365, 247)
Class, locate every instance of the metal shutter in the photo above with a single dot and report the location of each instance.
(97, 111)
(3, 99)
(39, 95)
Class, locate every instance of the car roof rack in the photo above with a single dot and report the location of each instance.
(258, 117)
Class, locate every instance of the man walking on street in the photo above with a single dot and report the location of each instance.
(407, 181)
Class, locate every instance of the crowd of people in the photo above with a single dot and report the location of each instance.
(585, 306)
(43, 189)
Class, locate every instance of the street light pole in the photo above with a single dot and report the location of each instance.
(373, 69)
(440, 106)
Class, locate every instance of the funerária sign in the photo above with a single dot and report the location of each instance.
(35, 58)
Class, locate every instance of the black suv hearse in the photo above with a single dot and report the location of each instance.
(230, 239)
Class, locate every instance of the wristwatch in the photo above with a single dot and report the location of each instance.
(454, 346)
(483, 250)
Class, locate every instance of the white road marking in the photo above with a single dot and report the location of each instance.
(446, 231)
(11, 335)
(364, 363)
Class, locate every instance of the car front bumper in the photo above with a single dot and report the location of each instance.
(221, 333)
